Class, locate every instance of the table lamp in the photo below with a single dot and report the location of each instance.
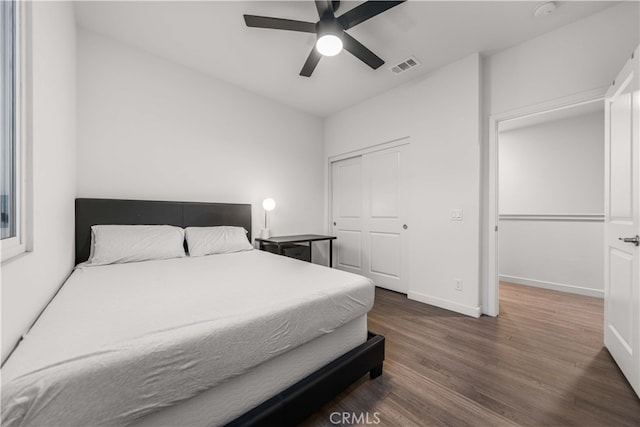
(268, 204)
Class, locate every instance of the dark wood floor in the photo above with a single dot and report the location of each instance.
(541, 363)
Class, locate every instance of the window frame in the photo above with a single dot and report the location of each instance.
(18, 244)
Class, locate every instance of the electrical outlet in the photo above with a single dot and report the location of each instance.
(458, 284)
(455, 215)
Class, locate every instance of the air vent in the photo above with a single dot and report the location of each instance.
(405, 65)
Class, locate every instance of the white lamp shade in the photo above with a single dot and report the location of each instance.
(329, 45)
(269, 204)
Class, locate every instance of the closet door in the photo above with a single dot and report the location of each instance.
(346, 202)
(370, 209)
(385, 228)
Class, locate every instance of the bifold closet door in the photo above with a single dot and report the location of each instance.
(370, 210)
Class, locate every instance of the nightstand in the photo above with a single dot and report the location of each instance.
(293, 244)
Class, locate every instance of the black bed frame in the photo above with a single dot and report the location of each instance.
(292, 405)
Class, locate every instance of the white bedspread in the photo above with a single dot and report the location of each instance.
(120, 341)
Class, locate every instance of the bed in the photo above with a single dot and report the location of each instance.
(251, 338)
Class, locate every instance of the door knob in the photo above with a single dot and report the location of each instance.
(334, 223)
(405, 226)
(634, 240)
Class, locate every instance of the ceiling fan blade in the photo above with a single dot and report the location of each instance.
(311, 63)
(279, 24)
(366, 10)
(358, 50)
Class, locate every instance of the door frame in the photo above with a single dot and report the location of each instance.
(366, 150)
(492, 306)
(348, 155)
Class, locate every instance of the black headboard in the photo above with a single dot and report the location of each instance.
(144, 212)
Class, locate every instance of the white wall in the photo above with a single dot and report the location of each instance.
(29, 280)
(564, 256)
(579, 57)
(152, 129)
(554, 168)
(439, 113)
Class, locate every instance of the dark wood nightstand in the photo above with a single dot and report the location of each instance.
(284, 242)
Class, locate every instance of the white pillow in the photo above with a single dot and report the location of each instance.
(115, 244)
(216, 240)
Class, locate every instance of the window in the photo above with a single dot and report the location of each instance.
(11, 197)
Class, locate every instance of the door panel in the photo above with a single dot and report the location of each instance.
(385, 254)
(621, 156)
(386, 188)
(384, 183)
(346, 202)
(620, 277)
(350, 200)
(622, 220)
(350, 249)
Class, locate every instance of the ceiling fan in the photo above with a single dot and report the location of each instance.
(330, 30)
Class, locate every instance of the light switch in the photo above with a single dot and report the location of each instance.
(455, 215)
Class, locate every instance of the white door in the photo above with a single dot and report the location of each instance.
(346, 203)
(373, 238)
(385, 237)
(622, 221)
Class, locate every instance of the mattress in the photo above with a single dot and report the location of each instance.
(120, 341)
(232, 398)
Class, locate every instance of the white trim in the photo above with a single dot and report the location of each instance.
(22, 241)
(446, 304)
(563, 103)
(11, 247)
(552, 217)
(26, 127)
(493, 290)
(562, 287)
(370, 149)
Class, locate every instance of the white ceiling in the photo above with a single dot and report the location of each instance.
(211, 37)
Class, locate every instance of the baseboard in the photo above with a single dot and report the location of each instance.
(446, 304)
(579, 290)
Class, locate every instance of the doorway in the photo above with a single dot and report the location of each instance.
(551, 200)
(567, 107)
(369, 210)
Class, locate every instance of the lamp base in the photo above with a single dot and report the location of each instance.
(266, 233)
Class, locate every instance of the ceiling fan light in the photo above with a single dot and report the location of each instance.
(329, 45)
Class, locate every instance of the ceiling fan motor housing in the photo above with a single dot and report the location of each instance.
(328, 25)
